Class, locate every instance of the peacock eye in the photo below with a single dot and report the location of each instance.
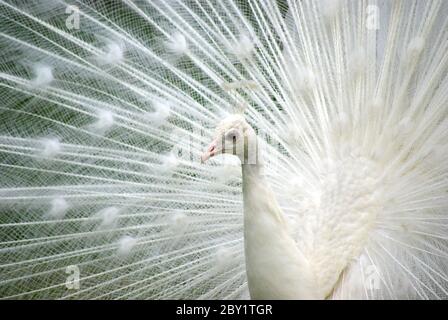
(231, 135)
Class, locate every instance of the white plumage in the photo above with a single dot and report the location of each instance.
(336, 109)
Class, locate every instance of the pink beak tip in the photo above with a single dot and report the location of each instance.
(209, 153)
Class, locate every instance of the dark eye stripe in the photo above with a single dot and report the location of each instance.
(231, 135)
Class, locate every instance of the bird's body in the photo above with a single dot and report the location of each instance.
(333, 229)
(336, 109)
(275, 268)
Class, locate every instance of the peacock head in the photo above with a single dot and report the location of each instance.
(233, 136)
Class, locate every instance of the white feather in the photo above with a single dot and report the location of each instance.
(243, 47)
(177, 43)
(113, 54)
(108, 217)
(105, 121)
(59, 207)
(160, 114)
(50, 147)
(43, 75)
(125, 245)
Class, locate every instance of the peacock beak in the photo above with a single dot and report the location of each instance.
(210, 152)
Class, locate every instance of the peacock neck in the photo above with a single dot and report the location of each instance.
(275, 268)
(252, 180)
(251, 174)
(258, 198)
(251, 170)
